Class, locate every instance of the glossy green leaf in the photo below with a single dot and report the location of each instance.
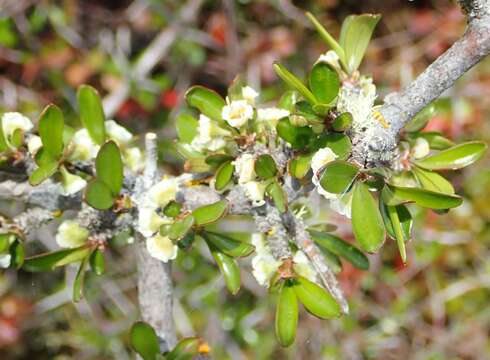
(300, 165)
(49, 261)
(79, 281)
(332, 260)
(51, 125)
(341, 248)
(187, 126)
(265, 166)
(420, 120)
(109, 167)
(207, 101)
(435, 139)
(209, 214)
(97, 262)
(324, 83)
(339, 143)
(224, 174)
(276, 192)
(228, 268)
(218, 159)
(367, 223)
(298, 137)
(295, 83)
(455, 157)
(144, 340)
(287, 314)
(316, 299)
(43, 157)
(395, 195)
(99, 195)
(287, 100)
(180, 227)
(398, 230)
(92, 113)
(338, 176)
(342, 122)
(172, 209)
(327, 37)
(17, 138)
(432, 181)
(404, 217)
(354, 38)
(42, 173)
(228, 245)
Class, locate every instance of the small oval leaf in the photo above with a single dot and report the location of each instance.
(324, 82)
(144, 340)
(49, 261)
(92, 113)
(180, 228)
(224, 175)
(395, 195)
(276, 192)
(286, 315)
(209, 214)
(79, 281)
(186, 125)
(228, 245)
(51, 126)
(455, 157)
(97, 262)
(432, 181)
(316, 299)
(99, 195)
(42, 173)
(207, 101)
(338, 176)
(265, 166)
(228, 268)
(109, 167)
(342, 122)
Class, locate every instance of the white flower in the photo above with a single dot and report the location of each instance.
(321, 158)
(237, 112)
(264, 267)
(342, 204)
(249, 94)
(5, 260)
(149, 221)
(34, 144)
(118, 133)
(161, 248)
(421, 148)
(244, 167)
(12, 121)
(163, 192)
(71, 183)
(331, 58)
(134, 159)
(83, 147)
(271, 115)
(209, 135)
(71, 234)
(302, 266)
(255, 191)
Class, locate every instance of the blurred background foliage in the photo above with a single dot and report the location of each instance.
(142, 55)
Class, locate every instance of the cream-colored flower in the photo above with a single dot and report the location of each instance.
(255, 191)
(71, 234)
(264, 265)
(421, 148)
(244, 168)
(271, 116)
(83, 148)
(331, 58)
(5, 260)
(161, 248)
(34, 144)
(209, 135)
(249, 94)
(302, 266)
(12, 121)
(71, 183)
(237, 112)
(134, 159)
(163, 192)
(149, 221)
(118, 133)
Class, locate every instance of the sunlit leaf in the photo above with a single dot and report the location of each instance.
(265, 166)
(287, 314)
(99, 195)
(207, 101)
(42, 173)
(287, 100)
(109, 167)
(455, 157)
(395, 195)
(432, 181)
(92, 113)
(224, 175)
(97, 262)
(324, 82)
(316, 299)
(420, 120)
(209, 214)
(398, 223)
(228, 245)
(339, 143)
(186, 125)
(300, 165)
(298, 137)
(49, 261)
(51, 126)
(228, 268)
(338, 176)
(180, 227)
(342, 122)
(295, 83)
(144, 340)
(276, 192)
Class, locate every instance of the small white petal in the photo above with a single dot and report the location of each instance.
(303, 267)
(34, 144)
(161, 248)
(264, 267)
(255, 192)
(244, 168)
(118, 133)
(149, 221)
(163, 192)
(71, 183)
(249, 94)
(134, 159)
(82, 146)
(421, 148)
(271, 115)
(71, 234)
(5, 261)
(12, 121)
(237, 113)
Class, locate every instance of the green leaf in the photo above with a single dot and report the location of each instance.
(16, 251)
(294, 82)
(404, 217)
(109, 167)
(5, 242)
(97, 262)
(342, 122)
(180, 227)
(144, 340)
(276, 192)
(316, 299)
(187, 126)
(43, 157)
(228, 268)
(436, 140)
(324, 83)
(395, 195)
(327, 38)
(332, 260)
(218, 159)
(209, 214)
(355, 35)
(3, 141)
(172, 209)
(79, 280)
(298, 137)
(49, 261)
(287, 100)
(42, 173)
(17, 138)
(432, 181)
(92, 113)
(300, 165)
(455, 157)
(420, 120)
(338, 176)
(51, 126)
(207, 101)
(228, 245)
(341, 248)
(224, 175)
(186, 349)
(339, 143)
(367, 222)
(265, 167)
(398, 230)
(287, 314)
(98, 195)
